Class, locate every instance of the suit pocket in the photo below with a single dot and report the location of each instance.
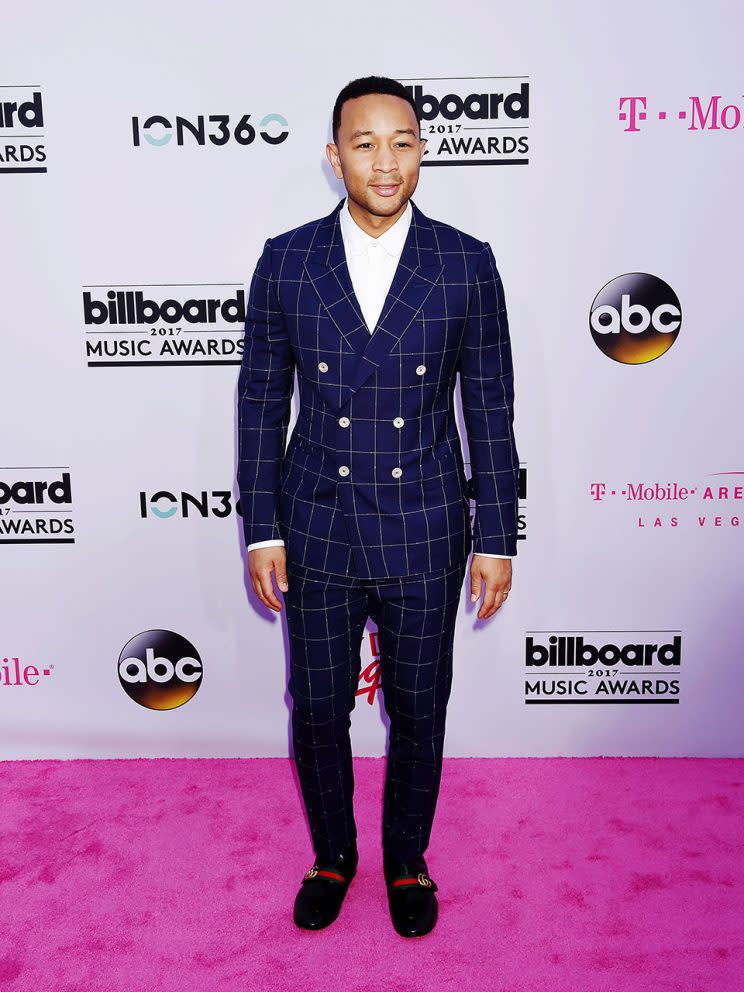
(446, 468)
(292, 456)
(437, 465)
(302, 444)
(441, 461)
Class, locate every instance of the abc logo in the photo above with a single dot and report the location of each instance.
(635, 318)
(160, 669)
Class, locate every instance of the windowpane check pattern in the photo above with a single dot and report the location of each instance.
(415, 618)
(372, 483)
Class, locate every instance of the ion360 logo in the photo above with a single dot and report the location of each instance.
(215, 129)
(635, 318)
(160, 670)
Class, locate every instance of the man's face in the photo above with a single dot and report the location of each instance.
(378, 152)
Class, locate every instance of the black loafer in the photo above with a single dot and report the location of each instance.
(322, 891)
(413, 905)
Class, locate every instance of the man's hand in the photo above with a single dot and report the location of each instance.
(261, 563)
(496, 574)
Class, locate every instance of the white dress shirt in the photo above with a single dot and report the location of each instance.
(372, 263)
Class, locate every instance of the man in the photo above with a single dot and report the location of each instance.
(377, 307)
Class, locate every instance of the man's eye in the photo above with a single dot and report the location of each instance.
(404, 144)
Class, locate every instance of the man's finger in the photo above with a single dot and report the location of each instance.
(475, 586)
(255, 585)
(281, 577)
(257, 588)
(500, 598)
(487, 609)
(267, 594)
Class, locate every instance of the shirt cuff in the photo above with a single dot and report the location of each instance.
(266, 544)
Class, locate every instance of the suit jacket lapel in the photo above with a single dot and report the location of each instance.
(325, 264)
(419, 267)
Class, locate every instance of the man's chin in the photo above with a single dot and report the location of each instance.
(384, 206)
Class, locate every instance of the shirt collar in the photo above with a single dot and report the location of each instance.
(357, 241)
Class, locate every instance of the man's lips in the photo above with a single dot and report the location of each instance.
(386, 189)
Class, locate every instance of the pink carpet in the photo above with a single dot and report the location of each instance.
(174, 875)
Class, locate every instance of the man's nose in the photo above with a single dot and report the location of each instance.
(386, 162)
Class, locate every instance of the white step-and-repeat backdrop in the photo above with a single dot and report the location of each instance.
(144, 160)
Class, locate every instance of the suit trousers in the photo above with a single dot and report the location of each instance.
(415, 617)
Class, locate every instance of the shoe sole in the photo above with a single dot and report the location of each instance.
(319, 926)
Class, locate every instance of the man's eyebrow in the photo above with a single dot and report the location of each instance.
(400, 130)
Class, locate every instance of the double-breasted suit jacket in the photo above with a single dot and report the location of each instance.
(372, 482)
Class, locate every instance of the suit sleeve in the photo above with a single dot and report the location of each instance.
(487, 391)
(265, 385)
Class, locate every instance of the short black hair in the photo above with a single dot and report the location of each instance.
(363, 87)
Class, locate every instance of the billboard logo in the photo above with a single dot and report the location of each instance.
(478, 120)
(22, 145)
(36, 508)
(625, 668)
(164, 324)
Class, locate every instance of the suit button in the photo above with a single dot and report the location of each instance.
(323, 366)
(420, 370)
(343, 470)
(344, 422)
(398, 421)
(397, 472)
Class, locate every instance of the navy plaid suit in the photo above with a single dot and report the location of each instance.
(371, 497)
(372, 483)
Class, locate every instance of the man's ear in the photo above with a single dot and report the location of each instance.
(333, 158)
